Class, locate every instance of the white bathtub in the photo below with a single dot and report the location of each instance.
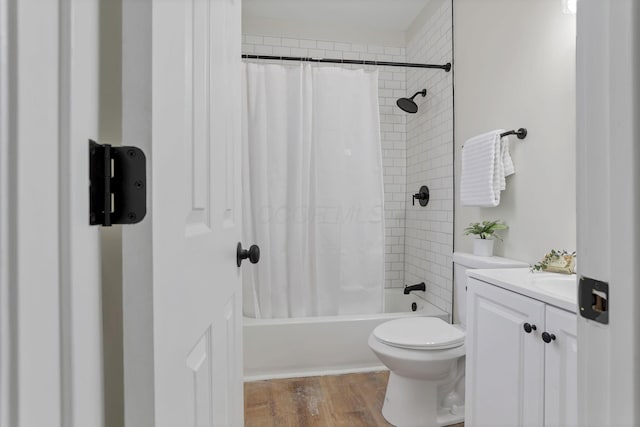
(281, 348)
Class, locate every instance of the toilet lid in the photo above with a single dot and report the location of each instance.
(419, 333)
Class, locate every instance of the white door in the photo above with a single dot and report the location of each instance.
(182, 301)
(505, 364)
(561, 369)
(50, 308)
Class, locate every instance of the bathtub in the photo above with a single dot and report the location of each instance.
(309, 346)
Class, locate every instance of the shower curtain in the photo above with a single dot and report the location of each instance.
(312, 191)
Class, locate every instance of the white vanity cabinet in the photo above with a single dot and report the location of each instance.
(561, 369)
(513, 377)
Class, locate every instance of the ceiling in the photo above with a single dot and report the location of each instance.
(381, 15)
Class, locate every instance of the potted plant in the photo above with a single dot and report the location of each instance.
(485, 230)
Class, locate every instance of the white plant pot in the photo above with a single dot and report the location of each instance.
(483, 247)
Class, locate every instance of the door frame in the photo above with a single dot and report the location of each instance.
(7, 246)
(50, 310)
(16, 303)
(608, 208)
(20, 288)
(137, 286)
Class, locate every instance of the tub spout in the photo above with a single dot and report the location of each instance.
(418, 287)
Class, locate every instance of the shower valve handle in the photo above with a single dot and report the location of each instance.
(422, 196)
(253, 253)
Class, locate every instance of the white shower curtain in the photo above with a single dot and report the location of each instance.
(313, 191)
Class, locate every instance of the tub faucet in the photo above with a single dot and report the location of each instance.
(419, 287)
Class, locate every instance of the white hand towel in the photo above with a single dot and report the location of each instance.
(485, 165)
(507, 163)
(480, 172)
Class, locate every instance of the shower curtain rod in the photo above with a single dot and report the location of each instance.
(446, 67)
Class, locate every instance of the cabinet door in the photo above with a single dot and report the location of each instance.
(561, 369)
(504, 365)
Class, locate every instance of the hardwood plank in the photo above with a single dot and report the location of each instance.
(353, 400)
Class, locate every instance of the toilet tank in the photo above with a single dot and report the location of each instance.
(463, 262)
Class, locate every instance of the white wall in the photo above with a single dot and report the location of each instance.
(304, 30)
(392, 85)
(429, 230)
(515, 67)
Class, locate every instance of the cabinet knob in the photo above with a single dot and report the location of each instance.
(547, 337)
(529, 327)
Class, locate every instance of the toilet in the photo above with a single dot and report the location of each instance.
(426, 357)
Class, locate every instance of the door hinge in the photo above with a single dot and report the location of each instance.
(118, 184)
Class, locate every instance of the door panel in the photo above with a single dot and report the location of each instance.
(230, 377)
(192, 146)
(197, 106)
(505, 365)
(199, 361)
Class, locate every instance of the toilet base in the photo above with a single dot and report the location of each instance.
(408, 400)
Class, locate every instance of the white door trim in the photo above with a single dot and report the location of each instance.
(7, 341)
(50, 311)
(608, 180)
(32, 284)
(79, 243)
(137, 284)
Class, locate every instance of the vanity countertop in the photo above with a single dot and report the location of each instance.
(560, 290)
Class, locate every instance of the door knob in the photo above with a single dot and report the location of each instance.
(529, 327)
(253, 254)
(547, 337)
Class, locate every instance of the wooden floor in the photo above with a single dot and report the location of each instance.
(353, 400)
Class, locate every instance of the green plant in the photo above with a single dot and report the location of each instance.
(485, 229)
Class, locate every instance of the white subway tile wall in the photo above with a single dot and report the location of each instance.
(429, 231)
(391, 86)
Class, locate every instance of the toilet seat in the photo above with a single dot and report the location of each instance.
(419, 333)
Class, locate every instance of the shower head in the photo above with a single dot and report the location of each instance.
(408, 105)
